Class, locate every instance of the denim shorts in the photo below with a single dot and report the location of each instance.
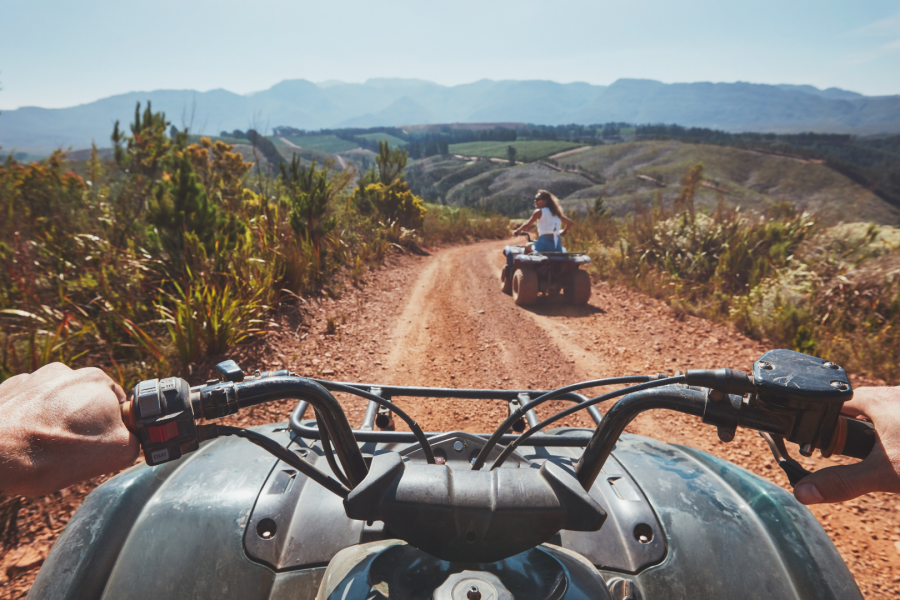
(545, 244)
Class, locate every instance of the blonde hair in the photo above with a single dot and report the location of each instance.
(552, 202)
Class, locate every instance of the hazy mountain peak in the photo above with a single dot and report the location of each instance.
(384, 82)
(303, 104)
(833, 92)
(330, 83)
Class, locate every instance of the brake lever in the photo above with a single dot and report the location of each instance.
(794, 470)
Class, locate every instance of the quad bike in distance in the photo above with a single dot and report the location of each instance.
(319, 510)
(528, 276)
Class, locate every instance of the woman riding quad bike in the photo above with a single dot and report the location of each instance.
(549, 216)
(316, 509)
(544, 268)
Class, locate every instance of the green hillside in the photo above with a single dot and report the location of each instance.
(323, 143)
(525, 150)
(380, 137)
(644, 171)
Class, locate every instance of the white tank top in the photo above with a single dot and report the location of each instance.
(549, 224)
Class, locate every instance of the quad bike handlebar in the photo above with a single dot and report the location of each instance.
(788, 396)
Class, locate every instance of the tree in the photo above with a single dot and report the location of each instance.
(511, 153)
(266, 148)
(387, 193)
(187, 226)
(143, 153)
(310, 193)
(390, 162)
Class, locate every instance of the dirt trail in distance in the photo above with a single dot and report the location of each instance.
(340, 159)
(442, 321)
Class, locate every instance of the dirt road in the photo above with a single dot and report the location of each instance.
(453, 327)
(442, 321)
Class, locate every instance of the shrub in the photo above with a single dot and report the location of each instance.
(777, 275)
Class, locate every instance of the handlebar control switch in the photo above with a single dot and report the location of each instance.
(723, 411)
(808, 391)
(230, 371)
(162, 418)
(219, 400)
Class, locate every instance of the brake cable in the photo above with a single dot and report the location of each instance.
(517, 414)
(286, 456)
(328, 449)
(413, 426)
(564, 413)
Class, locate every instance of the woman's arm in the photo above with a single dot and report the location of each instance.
(567, 222)
(534, 217)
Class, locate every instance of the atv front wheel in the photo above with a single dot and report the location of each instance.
(578, 288)
(525, 286)
(505, 282)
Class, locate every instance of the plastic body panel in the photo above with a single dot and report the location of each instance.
(731, 534)
(369, 571)
(177, 531)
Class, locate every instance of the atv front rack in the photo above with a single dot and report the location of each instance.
(383, 419)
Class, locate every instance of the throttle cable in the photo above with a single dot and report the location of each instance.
(518, 413)
(413, 426)
(287, 456)
(564, 413)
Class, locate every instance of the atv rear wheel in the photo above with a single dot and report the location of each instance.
(578, 287)
(505, 282)
(525, 286)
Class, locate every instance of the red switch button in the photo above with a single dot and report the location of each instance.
(163, 433)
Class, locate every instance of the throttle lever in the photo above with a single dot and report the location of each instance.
(794, 470)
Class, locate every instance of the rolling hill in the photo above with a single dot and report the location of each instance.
(639, 171)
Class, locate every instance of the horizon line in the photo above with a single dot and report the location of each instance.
(335, 82)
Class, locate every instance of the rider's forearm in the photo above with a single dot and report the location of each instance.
(58, 427)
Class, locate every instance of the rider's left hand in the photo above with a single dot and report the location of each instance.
(59, 427)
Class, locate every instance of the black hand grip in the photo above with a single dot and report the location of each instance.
(859, 439)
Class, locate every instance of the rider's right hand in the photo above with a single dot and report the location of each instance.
(59, 427)
(880, 472)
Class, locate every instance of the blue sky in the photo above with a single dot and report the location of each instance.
(56, 54)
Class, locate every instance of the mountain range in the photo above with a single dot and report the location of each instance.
(395, 102)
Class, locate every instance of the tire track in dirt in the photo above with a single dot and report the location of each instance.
(453, 332)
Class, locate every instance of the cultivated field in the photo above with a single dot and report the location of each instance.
(525, 150)
(323, 143)
(395, 142)
(644, 172)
